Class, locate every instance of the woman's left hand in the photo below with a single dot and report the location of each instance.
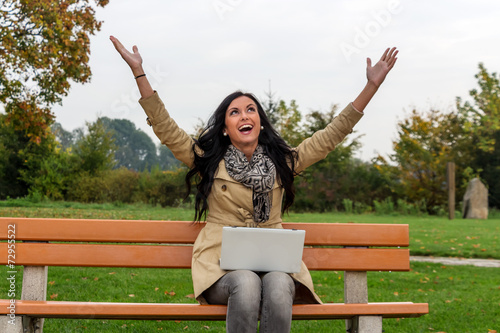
(376, 74)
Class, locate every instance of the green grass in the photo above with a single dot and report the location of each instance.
(461, 298)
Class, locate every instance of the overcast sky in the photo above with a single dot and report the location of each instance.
(197, 52)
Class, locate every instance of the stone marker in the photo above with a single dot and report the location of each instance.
(475, 205)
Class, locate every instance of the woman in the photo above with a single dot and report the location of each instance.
(244, 170)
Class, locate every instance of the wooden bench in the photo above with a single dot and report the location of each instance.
(40, 243)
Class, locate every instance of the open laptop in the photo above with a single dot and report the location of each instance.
(262, 249)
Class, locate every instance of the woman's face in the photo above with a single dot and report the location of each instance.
(243, 123)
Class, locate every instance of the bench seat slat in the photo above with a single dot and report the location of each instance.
(171, 311)
(158, 256)
(144, 231)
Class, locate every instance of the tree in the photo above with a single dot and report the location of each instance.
(426, 142)
(326, 184)
(483, 127)
(134, 149)
(285, 119)
(44, 44)
(65, 138)
(166, 159)
(95, 152)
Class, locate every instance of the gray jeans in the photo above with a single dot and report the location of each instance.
(247, 294)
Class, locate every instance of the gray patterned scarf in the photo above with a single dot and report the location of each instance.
(258, 174)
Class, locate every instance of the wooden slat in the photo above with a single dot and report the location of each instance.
(159, 256)
(87, 230)
(166, 311)
(143, 231)
(353, 234)
(99, 255)
(357, 259)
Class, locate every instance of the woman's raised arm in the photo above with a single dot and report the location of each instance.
(375, 75)
(134, 60)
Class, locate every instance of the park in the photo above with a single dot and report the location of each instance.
(399, 211)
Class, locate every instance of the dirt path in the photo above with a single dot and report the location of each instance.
(458, 261)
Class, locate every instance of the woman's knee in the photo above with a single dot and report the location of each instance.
(278, 285)
(245, 282)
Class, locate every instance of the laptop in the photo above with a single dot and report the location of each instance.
(262, 249)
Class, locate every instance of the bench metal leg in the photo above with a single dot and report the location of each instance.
(34, 289)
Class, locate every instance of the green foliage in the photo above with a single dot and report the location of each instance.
(134, 149)
(95, 151)
(25, 163)
(166, 159)
(347, 205)
(483, 128)
(164, 188)
(426, 142)
(285, 119)
(52, 178)
(118, 185)
(325, 185)
(44, 45)
(384, 207)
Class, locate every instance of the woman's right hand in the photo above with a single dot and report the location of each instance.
(134, 60)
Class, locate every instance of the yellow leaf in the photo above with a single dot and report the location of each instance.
(53, 296)
(52, 282)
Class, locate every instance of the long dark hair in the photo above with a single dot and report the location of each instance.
(211, 146)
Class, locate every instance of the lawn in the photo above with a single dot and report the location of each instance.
(461, 298)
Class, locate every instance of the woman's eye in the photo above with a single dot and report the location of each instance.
(233, 112)
(251, 109)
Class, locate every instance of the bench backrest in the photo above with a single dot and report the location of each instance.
(168, 244)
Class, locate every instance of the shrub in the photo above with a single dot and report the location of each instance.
(165, 188)
(362, 208)
(384, 207)
(88, 188)
(122, 184)
(347, 205)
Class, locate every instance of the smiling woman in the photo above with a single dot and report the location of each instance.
(244, 173)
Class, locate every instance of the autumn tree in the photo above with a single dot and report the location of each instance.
(426, 142)
(44, 44)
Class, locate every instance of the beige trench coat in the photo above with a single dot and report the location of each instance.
(230, 202)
